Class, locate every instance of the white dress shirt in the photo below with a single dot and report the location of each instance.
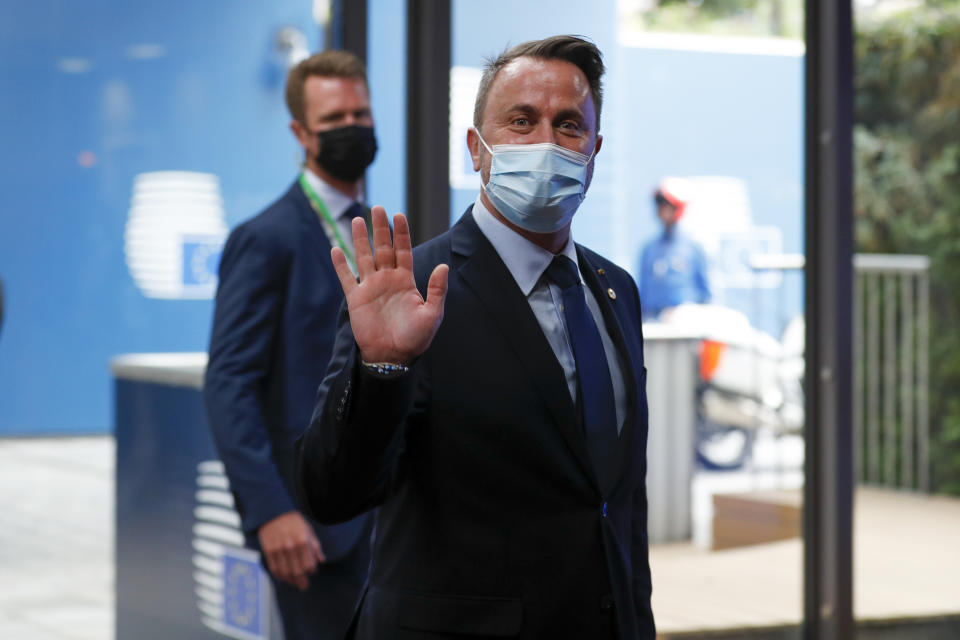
(337, 204)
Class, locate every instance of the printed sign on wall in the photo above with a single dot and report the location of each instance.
(175, 234)
(233, 591)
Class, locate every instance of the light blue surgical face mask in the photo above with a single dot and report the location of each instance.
(538, 187)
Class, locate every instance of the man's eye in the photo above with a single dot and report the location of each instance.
(570, 126)
(521, 122)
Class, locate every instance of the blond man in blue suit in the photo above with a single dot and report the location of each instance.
(273, 331)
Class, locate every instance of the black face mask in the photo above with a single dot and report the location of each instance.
(346, 152)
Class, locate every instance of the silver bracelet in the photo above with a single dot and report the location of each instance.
(385, 369)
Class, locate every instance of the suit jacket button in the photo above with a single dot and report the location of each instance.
(603, 511)
(606, 602)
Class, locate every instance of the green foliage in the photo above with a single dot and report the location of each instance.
(907, 184)
(716, 8)
(726, 17)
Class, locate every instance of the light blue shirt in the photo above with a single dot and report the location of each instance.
(673, 270)
(337, 204)
(526, 262)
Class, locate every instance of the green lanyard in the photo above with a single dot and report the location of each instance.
(321, 209)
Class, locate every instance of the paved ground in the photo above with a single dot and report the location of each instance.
(906, 566)
(57, 581)
(56, 539)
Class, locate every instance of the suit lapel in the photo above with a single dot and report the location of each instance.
(615, 318)
(311, 222)
(308, 216)
(482, 270)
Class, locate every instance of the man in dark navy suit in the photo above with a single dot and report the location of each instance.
(273, 331)
(487, 391)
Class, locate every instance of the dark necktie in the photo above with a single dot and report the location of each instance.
(596, 398)
(356, 210)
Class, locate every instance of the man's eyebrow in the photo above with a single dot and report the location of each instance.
(571, 114)
(332, 115)
(522, 108)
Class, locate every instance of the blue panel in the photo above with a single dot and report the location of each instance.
(162, 436)
(244, 610)
(182, 570)
(95, 93)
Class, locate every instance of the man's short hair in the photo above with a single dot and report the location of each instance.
(331, 64)
(582, 53)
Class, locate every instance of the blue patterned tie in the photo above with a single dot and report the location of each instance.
(596, 399)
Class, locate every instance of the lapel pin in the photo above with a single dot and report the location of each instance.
(612, 294)
(600, 272)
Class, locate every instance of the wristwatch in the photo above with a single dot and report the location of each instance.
(385, 369)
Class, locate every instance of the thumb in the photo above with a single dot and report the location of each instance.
(437, 289)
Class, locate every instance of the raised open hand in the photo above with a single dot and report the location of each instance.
(390, 319)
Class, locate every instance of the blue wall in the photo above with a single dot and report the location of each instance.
(711, 113)
(206, 95)
(693, 113)
(210, 102)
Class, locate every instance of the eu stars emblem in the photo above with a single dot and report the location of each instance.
(233, 591)
(244, 612)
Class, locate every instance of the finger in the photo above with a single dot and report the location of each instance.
(271, 564)
(347, 280)
(437, 290)
(401, 242)
(307, 560)
(318, 551)
(299, 570)
(299, 579)
(302, 582)
(382, 244)
(281, 565)
(361, 245)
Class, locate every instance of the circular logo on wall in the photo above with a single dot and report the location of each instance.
(175, 233)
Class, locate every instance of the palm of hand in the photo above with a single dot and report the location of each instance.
(391, 322)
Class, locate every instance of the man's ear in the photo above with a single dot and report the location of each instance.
(473, 144)
(300, 133)
(592, 164)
